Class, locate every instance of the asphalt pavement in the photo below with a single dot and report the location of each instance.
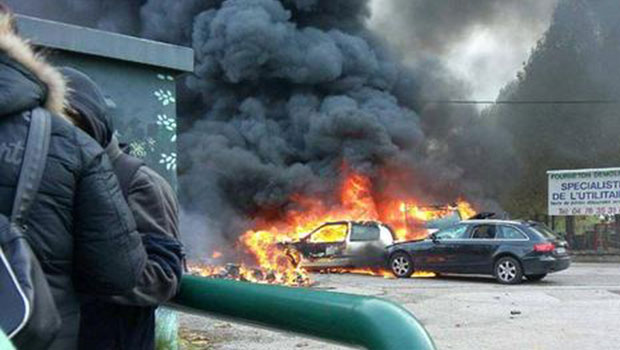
(574, 309)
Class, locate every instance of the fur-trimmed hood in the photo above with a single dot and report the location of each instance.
(20, 51)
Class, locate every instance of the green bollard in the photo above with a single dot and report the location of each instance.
(355, 320)
(5, 343)
(166, 329)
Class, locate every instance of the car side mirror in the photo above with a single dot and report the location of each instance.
(434, 238)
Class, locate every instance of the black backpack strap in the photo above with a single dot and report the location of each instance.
(125, 167)
(33, 164)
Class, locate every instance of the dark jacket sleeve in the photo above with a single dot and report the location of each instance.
(155, 209)
(109, 256)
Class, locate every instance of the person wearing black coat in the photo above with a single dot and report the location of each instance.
(128, 321)
(79, 227)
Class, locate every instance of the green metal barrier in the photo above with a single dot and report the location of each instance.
(5, 343)
(368, 322)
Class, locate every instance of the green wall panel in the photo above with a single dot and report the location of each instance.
(145, 106)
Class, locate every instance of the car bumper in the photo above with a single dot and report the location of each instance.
(545, 264)
(318, 264)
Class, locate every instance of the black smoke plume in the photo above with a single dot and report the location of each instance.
(292, 90)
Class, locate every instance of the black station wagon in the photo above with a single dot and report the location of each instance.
(508, 250)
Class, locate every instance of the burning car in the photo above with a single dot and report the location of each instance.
(344, 244)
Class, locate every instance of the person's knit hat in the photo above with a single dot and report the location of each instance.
(86, 98)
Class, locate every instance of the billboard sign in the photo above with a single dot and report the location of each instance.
(584, 192)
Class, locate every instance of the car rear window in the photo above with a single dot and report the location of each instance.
(544, 231)
(509, 232)
(364, 232)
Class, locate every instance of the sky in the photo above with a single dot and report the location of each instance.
(483, 42)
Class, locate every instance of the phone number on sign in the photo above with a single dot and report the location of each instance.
(590, 211)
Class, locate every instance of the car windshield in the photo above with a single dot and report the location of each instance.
(330, 233)
(544, 231)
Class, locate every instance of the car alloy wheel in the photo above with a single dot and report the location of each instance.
(401, 265)
(508, 271)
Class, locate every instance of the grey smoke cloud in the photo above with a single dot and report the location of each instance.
(483, 43)
(116, 16)
(171, 20)
(435, 26)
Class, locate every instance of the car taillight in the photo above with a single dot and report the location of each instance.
(544, 247)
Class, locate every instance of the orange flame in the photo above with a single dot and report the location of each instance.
(465, 209)
(379, 272)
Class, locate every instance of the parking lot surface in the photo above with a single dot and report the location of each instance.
(575, 309)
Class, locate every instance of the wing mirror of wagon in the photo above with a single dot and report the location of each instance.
(434, 238)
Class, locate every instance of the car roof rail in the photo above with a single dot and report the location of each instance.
(482, 216)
